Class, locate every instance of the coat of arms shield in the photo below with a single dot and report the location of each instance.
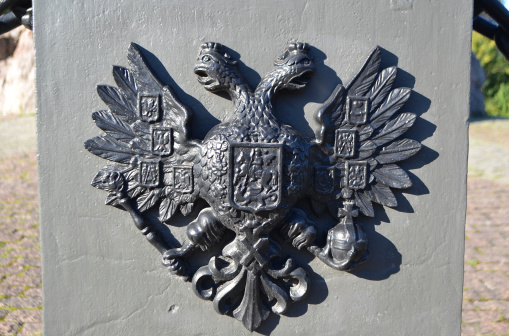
(255, 176)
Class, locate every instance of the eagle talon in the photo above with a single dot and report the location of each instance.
(301, 232)
(175, 265)
(306, 237)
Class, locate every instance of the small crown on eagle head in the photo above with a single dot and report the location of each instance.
(212, 46)
(215, 48)
(293, 48)
(296, 47)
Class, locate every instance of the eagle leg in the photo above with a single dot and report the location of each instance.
(298, 229)
(203, 232)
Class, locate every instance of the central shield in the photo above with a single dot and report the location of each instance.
(256, 173)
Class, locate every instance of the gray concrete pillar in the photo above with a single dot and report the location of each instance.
(101, 277)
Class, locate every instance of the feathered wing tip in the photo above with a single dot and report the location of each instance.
(332, 113)
(389, 150)
(377, 133)
(122, 142)
(329, 112)
(387, 125)
(365, 77)
(145, 79)
(139, 105)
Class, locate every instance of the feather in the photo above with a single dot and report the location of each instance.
(381, 194)
(186, 209)
(177, 115)
(125, 81)
(135, 191)
(372, 163)
(141, 144)
(110, 149)
(131, 174)
(338, 116)
(394, 128)
(392, 176)
(145, 80)
(329, 113)
(398, 151)
(364, 79)
(382, 86)
(167, 209)
(141, 128)
(364, 204)
(147, 200)
(110, 166)
(113, 126)
(118, 103)
(365, 132)
(391, 105)
(112, 200)
(366, 149)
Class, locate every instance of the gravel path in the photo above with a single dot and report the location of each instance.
(486, 287)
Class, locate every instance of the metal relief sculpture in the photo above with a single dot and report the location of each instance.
(251, 170)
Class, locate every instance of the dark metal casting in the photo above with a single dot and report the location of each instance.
(252, 170)
(20, 13)
(499, 33)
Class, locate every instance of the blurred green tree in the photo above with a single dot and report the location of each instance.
(496, 67)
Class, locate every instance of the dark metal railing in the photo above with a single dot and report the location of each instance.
(497, 28)
(17, 13)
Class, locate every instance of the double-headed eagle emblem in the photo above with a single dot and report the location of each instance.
(252, 170)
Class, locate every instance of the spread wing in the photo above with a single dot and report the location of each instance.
(360, 140)
(146, 139)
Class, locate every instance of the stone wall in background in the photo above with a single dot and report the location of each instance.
(17, 74)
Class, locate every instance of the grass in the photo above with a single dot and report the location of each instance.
(473, 262)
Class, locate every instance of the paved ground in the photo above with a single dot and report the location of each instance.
(486, 284)
(486, 288)
(20, 262)
(17, 135)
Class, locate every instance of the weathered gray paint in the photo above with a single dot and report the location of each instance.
(100, 275)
